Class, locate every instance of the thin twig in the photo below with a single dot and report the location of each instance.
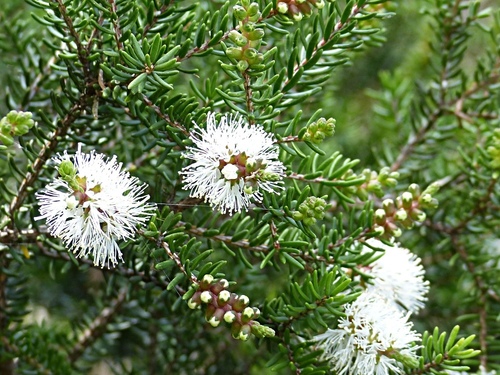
(97, 327)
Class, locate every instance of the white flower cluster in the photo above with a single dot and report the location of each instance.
(92, 205)
(233, 163)
(398, 276)
(375, 336)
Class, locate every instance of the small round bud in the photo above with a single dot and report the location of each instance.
(407, 197)
(319, 4)
(224, 296)
(414, 189)
(418, 215)
(248, 313)
(380, 216)
(426, 198)
(242, 65)
(298, 17)
(244, 332)
(229, 317)
(282, 7)
(237, 38)
(379, 230)
(206, 297)
(213, 321)
(401, 215)
(396, 232)
(239, 12)
(388, 205)
(208, 279)
(193, 304)
(244, 299)
(224, 283)
(234, 53)
(253, 9)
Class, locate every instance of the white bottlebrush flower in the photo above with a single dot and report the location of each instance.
(92, 205)
(398, 276)
(374, 338)
(233, 163)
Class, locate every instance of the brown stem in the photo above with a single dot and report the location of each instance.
(81, 50)
(47, 150)
(326, 38)
(248, 95)
(13, 349)
(483, 294)
(164, 116)
(97, 327)
(116, 25)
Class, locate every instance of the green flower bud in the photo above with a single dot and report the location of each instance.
(256, 34)
(425, 198)
(414, 189)
(261, 331)
(250, 53)
(237, 38)
(16, 123)
(253, 9)
(242, 65)
(248, 27)
(234, 53)
(433, 188)
(67, 170)
(239, 12)
(406, 360)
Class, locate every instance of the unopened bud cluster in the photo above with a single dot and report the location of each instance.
(14, 124)
(248, 38)
(405, 212)
(375, 183)
(319, 130)
(312, 209)
(222, 305)
(297, 9)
